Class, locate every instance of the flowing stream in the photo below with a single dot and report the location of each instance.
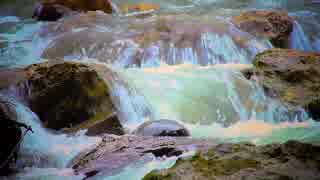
(191, 76)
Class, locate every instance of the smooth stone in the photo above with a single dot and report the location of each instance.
(162, 128)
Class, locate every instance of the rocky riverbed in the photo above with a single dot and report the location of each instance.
(221, 90)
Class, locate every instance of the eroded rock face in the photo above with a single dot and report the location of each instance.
(116, 152)
(292, 76)
(66, 94)
(270, 24)
(52, 10)
(162, 128)
(292, 160)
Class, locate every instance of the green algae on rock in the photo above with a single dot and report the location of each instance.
(270, 24)
(66, 94)
(292, 160)
(292, 76)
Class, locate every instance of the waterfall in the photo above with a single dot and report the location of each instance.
(316, 44)
(299, 39)
(132, 107)
(43, 148)
(223, 97)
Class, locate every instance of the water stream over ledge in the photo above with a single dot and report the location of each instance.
(165, 78)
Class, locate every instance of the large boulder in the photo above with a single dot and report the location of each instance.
(162, 128)
(67, 94)
(292, 76)
(292, 160)
(52, 10)
(270, 24)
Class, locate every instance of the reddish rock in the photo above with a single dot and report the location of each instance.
(292, 76)
(273, 25)
(52, 10)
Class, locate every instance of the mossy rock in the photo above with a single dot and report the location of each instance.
(67, 94)
(270, 24)
(292, 76)
(292, 160)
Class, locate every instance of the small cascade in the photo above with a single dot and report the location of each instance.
(162, 41)
(210, 48)
(223, 96)
(43, 148)
(132, 107)
(299, 39)
(316, 44)
(18, 45)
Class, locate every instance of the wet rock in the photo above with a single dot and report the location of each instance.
(292, 76)
(247, 161)
(116, 152)
(10, 130)
(172, 39)
(66, 94)
(51, 10)
(110, 125)
(270, 24)
(162, 128)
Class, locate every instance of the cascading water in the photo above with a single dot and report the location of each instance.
(43, 151)
(181, 63)
(299, 40)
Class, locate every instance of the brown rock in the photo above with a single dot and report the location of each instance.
(270, 24)
(66, 94)
(246, 161)
(292, 76)
(110, 125)
(51, 10)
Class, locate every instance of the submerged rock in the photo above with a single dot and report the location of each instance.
(52, 10)
(292, 76)
(162, 128)
(292, 160)
(270, 24)
(67, 94)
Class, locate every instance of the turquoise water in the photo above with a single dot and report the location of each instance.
(195, 80)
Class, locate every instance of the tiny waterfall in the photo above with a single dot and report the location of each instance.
(166, 41)
(299, 39)
(132, 107)
(44, 151)
(316, 44)
(181, 62)
(224, 97)
(18, 45)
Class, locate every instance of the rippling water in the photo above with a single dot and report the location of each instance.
(164, 66)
